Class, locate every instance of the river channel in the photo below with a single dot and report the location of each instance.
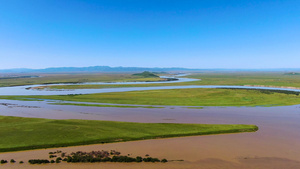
(275, 145)
(27, 89)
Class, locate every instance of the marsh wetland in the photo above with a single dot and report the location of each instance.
(273, 107)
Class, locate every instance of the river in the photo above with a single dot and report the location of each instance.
(275, 145)
(25, 90)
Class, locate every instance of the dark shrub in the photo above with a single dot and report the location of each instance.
(12, 161)
(3, 161)
(155, 160)
(58, 160)
(164, 160)
(38, 161)
(150, 159)
(139, 159)
(106, 159)
(52, 156)
(69, 159)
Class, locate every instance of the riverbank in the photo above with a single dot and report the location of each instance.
(184, 97)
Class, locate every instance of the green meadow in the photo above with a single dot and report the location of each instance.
(184, 97)
(207, 78)
(19, 133)
(278, 79)
(75, 78)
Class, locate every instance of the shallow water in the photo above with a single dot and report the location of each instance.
(275, 145)
(22, 90)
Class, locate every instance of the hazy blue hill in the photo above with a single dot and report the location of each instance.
(18, 70)
(93, 69)
(127, 69)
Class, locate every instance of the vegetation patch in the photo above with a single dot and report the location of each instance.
(271, 79)
(74, 78)
(185, 97)
(19, 133)
(3, 161)
(93, 157)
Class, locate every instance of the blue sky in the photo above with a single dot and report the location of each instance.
(150, 33)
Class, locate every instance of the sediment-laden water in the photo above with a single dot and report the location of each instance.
(275, 145)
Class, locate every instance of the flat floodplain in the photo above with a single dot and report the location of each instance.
(278, 127)
(74, 78)
(278, 79)
(275, 145)
(184, 97)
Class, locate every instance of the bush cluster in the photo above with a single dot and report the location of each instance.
(52, 156)
(94, 156)
(86, 159)
(89, 159)
(150, 159)
(3, 161)
(38, 161)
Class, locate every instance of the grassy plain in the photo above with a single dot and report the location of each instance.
(183, 97)
(74, 78)
(19, 133)
(279, 79)
(247, 78)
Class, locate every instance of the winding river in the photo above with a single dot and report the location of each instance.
(275, 145)
(24, 90)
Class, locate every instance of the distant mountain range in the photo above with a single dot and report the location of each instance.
(93, 69)
(125, 69)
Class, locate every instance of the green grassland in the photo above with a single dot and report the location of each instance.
(19, 133)
(207, 78)
(184, 97)
(278, 79)
(247, 78)
(74, 78)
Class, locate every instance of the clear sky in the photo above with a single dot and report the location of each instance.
(150, 33)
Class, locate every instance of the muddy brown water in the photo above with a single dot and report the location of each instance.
(275, 145)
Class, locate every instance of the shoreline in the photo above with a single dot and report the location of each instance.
(283, 87)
